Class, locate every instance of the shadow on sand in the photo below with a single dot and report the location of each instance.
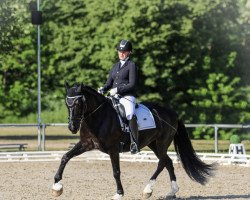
(247, 196)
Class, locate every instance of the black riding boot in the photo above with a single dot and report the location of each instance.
(134, 147)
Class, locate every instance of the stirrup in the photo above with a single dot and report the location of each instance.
(134, 148)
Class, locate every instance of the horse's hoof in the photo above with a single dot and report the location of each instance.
(148, 190)
(57, 189)
(117, 197)
(146, 195)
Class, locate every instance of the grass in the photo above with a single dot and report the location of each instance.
(59, 138)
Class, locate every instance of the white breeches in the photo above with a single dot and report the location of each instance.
(129, 104)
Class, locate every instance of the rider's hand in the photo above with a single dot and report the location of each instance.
(100, 90)
(113, 91)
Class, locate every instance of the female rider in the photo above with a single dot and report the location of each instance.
(123, 81)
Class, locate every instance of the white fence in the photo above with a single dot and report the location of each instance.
(42, 130)
(144, 156)
(216, 127)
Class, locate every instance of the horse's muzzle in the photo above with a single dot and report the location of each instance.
(73, 128)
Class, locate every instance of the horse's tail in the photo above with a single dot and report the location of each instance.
(194, 167)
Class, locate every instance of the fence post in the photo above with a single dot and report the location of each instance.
(39, 137)
(43, 137)
(216, 139)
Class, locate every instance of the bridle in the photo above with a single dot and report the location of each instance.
(81, 117)
(71, 106)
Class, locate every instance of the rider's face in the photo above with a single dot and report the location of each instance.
(123, 54)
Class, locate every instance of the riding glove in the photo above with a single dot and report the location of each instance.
(113, 91)
(100, 90)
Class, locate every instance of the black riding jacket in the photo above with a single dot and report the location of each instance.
(124, 78)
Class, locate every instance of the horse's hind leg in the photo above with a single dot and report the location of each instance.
(174, 186)
(147, 192)
(75, 151)
(164, 161)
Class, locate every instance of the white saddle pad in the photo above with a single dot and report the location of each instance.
(145, 118)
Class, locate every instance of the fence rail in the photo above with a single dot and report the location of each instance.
(143, 156)
(42, 130)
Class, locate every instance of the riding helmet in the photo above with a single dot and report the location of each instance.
(124, 45)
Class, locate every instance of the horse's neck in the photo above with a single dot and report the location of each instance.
(93, 103)
(101, 112)
(94, 98)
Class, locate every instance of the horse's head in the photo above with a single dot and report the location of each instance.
(76, 104)
(82, 101)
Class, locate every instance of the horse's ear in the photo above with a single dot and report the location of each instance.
(80, 88)
(66, 84)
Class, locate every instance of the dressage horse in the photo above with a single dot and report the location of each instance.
(100, 129)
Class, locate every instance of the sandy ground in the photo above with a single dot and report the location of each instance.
(94, 181)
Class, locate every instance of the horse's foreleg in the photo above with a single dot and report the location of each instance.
(75, 151)
(115, 161)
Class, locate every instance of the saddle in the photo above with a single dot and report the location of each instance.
(145, 119)
(120, 110)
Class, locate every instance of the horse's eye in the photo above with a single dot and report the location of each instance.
(77, 102)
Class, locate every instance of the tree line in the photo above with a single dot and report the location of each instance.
(192, 55)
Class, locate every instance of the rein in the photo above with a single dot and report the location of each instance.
(83, 118)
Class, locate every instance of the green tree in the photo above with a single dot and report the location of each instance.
(190, 54)
(8, 26)
(17, 62)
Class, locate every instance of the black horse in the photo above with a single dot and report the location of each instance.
(100, 128)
